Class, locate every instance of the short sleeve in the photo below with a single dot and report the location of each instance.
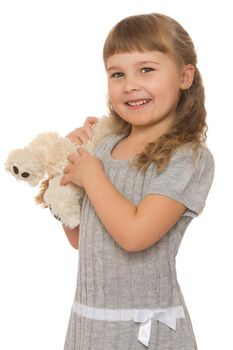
(187, 179)
(102, 145)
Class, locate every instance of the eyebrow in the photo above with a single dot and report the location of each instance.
(136, 64)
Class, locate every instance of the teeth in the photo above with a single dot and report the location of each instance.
(137, 103)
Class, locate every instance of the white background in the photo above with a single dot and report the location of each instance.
(51, 78)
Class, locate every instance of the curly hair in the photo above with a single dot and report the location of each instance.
(157, 32)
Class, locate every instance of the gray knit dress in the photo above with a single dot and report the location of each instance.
(132, 300)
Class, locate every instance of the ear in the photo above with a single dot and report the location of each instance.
(187, 76)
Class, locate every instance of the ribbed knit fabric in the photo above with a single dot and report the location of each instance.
(111, 278)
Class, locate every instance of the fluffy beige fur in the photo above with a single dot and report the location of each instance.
(42, 162)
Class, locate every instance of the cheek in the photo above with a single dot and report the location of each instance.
(168, 88)
(113, 94)
(157, 87)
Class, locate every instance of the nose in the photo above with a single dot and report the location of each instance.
(131, 84)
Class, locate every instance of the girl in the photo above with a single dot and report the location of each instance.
(143, 187)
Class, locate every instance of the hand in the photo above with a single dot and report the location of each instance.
(82, 167)
(81, 135)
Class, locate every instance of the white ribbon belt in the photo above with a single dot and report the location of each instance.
(144, 316)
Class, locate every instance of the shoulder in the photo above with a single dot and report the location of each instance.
(107, 143)
(189, 157)
(187, 165)
(184, 161)
(187, 177)
(189, 151)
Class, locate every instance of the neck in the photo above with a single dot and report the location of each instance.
(142, 135)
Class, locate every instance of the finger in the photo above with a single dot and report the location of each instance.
(75, 139)
(66, 170)
(88, 125)
(72, 157)
(83, 136)
(91, 120)
(79, 136)
(73, 136)
(80, 151)
(89, 132)
(64, 180)
(72, 132)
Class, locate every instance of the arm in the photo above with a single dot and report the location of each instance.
(72, 235)
(79, 136)
(134, 228)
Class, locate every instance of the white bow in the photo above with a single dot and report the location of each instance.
(166, 316)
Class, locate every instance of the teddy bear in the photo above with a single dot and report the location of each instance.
(42, 163)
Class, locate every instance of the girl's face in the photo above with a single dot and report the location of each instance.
(144, 87)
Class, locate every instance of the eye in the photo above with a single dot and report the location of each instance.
(147, 69)
(117, 75)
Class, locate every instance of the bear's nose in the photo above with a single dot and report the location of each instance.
(16, 170)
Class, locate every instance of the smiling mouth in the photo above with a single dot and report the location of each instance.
(138, 103)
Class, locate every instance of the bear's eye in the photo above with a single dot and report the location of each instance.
(25, 175)
(15, 169)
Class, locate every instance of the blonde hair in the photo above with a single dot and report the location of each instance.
(149, 32)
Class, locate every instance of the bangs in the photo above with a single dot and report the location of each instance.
(137, 33)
